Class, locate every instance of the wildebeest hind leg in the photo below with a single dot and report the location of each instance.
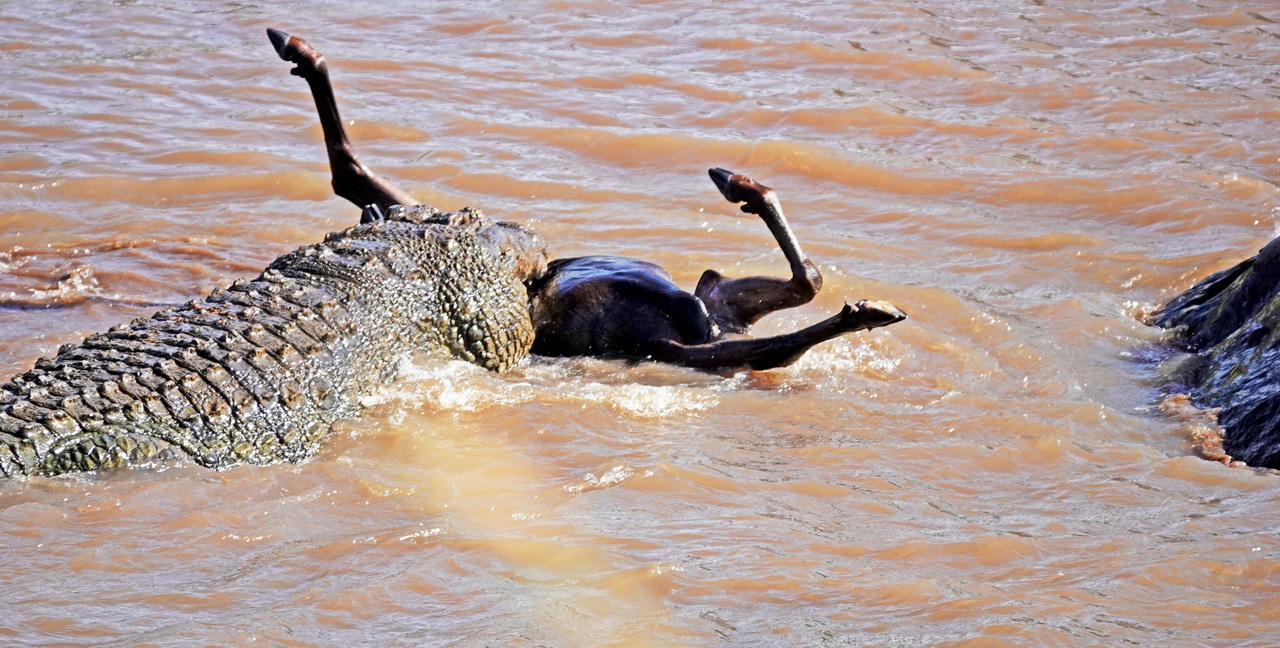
(778, 350)
(736, 304)
(351, 179)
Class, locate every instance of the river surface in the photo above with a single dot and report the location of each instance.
(1026, 179)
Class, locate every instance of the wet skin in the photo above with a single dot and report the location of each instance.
(618, 307)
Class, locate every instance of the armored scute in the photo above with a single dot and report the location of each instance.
(259, 372)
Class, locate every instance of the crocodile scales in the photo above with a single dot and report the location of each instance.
(259, 372)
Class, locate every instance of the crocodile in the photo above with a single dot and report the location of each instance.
(259, 372)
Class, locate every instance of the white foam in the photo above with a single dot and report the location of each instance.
(77, 286)
(611, 477)
(844, 356)
(452, 385)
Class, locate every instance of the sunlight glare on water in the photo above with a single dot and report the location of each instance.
(1024, 180)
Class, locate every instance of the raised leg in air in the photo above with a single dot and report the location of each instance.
(779, 350)
(351, 179)
(736, 304)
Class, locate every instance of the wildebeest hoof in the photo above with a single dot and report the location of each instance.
(371, 214)
(297, 51)
(871, 314)
(737, 188)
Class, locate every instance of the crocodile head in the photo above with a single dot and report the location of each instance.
(518, 250)
(522, 253)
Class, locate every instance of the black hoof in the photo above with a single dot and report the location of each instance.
(721, 178)
(371, 214)
(280, 41)
(873, 314)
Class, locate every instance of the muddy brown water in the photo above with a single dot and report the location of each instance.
(1025, 179)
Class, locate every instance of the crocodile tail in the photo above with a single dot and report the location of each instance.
(243, 376)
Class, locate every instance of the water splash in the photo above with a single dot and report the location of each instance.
(611, 477)
(450, 385)
(77, 286)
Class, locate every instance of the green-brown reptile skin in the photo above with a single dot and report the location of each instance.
(258, 373)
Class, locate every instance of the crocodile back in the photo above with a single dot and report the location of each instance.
(259, 372)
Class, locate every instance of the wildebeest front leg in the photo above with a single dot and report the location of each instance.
(351, 179)
(736, 304)
(779, 350)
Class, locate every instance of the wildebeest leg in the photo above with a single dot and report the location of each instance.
(736, 304)
(351, 179)
(779, 350)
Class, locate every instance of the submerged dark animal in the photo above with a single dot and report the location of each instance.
(620, 307)
(1230, 323)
